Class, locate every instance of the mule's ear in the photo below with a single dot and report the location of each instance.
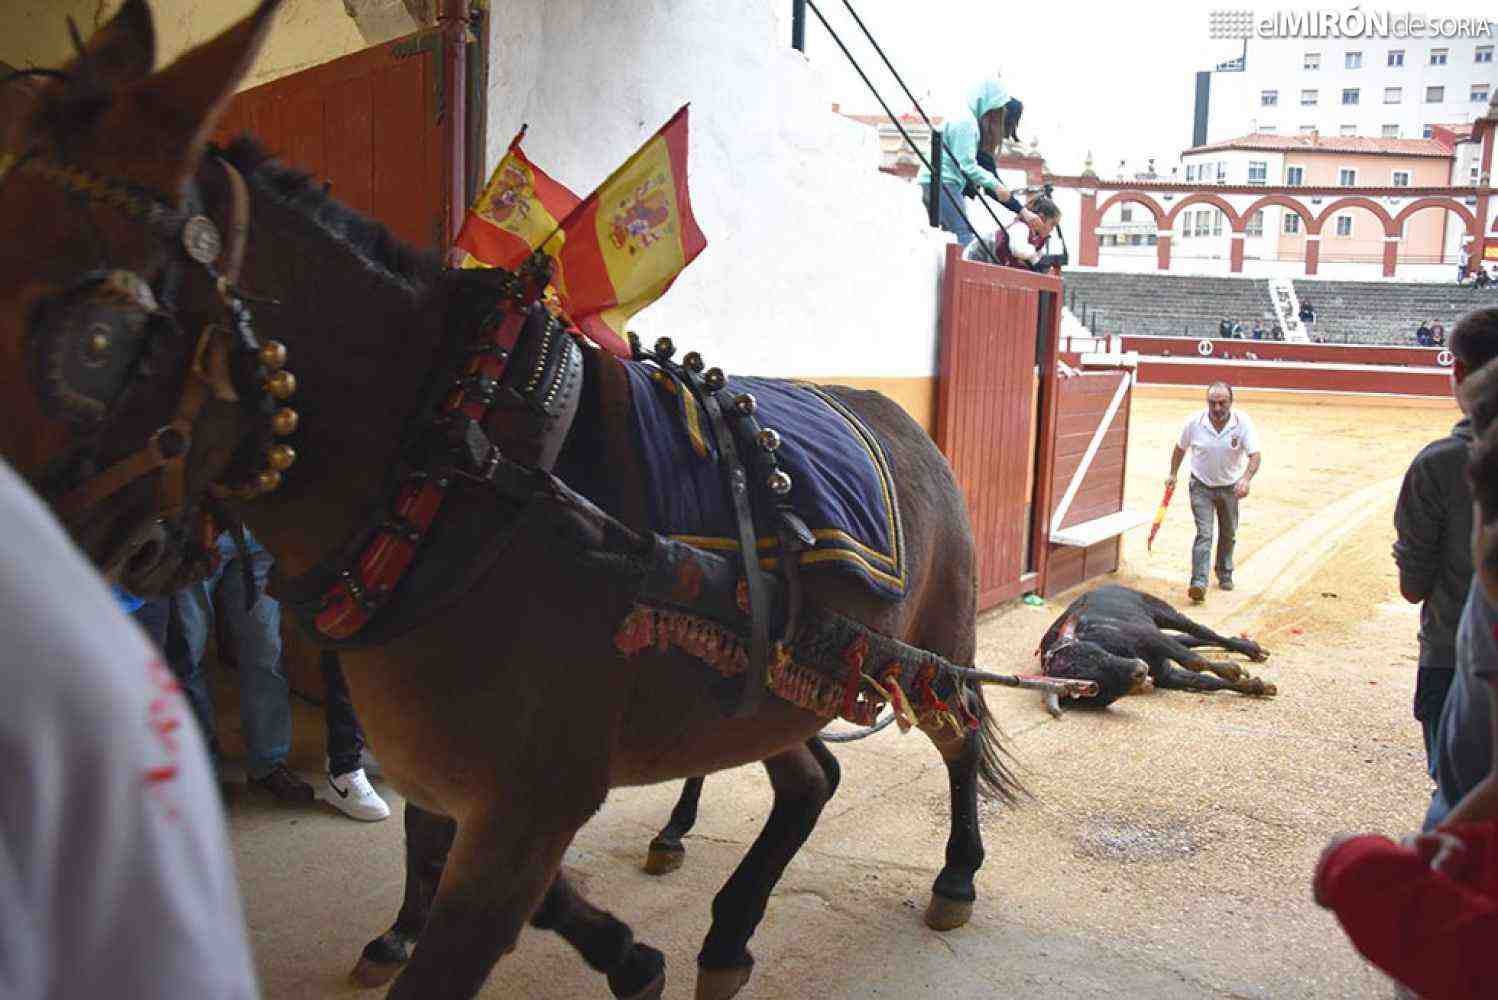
(120, 53)
(182, 103)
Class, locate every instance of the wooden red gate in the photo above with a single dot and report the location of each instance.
(369, 125)
(995, 414)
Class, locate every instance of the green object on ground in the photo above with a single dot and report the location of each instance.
(1034, 600)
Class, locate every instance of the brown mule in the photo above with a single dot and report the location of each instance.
(506, 714)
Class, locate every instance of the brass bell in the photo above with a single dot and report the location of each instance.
(281, 385)
(768, 439)
(267, 480)
(273, 354)
(744, 404)
(98, 345)
(664, 348)
(280, 457)
(715, 379)
(779, 483)
(283, 421)
(693, 362)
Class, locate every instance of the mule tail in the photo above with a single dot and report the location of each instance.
(996, 778)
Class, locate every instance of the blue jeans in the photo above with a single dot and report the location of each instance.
(951, 219)
(255, 635)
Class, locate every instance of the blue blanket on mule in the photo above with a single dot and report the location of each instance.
(840, 480)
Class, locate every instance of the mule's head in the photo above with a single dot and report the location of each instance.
(1116, 676)
(134, 381)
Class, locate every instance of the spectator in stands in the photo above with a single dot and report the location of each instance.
(1438, 336)
(1258, 329)
(1224, 328)
(1307, 312)
(1019, 245)
(1422, 335)
(1224, 449)
(989, 117)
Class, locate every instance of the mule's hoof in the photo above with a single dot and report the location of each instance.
(664, 860)
(368, 973)
(641, 976)
(944, 914)
(721, 984)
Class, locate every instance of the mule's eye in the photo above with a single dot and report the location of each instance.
(96, 349)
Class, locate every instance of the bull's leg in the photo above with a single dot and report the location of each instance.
(803, 780)
(636, 971)
(428, 839)
(1166, 616)
(666, 850)
(497, 872)
(1169, 676)
(953, 893)
(1160, 648)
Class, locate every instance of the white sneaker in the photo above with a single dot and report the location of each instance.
(354, 796)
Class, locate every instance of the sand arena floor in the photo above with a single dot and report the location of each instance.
(1168, 846)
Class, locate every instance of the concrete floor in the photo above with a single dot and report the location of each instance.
(1166, 851)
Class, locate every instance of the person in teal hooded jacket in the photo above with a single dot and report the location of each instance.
(990, 117)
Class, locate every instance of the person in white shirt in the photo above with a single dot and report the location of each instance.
(1019, 244)
(1224, 459)
(115, 873)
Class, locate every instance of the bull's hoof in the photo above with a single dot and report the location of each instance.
(943, 914)
(641, 976)
(1259, 655)
(369, 974)
(1229, 671)
(663, 860)
(721, 984)
(1268, 690)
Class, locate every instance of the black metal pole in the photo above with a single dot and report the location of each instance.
(798, 25)
(933, 194)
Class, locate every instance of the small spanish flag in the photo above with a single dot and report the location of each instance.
(623, 246)
(518, 208)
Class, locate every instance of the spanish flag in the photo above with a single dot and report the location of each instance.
(518, 208)
(625, 244)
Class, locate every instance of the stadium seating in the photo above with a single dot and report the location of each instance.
(1361, 312)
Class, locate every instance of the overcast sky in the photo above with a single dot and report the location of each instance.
(1117, 78)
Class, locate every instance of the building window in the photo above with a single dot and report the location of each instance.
(1347, 177)
(1391, 132)
(1344, 225)
(1307, 129)
(1479, 93)
(1427, 131)
(1308, 98)
(1258, 171)
(1396, 57)
(1352, 60)
(1268, 128)
(1222, 170)
(1393, 95)
(1190, 172)
(1126, 214)
(1269, 98)
(1350, 95)
(1292, 224)
(1472, 176)
(1294, 176)
(1435, 95)
(1401, 178)
(1312, 61)
(1255, 224)
(1348, 130)
(1438, 57)
(1484, 53)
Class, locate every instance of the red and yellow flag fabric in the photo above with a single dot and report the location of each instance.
(623, 246)
(518, 208)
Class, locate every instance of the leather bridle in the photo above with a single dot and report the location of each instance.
(101, 328)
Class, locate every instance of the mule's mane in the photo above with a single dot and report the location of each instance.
(370, 241)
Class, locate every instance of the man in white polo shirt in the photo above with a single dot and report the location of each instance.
(1224, 458)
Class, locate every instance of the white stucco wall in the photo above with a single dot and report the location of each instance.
(816, 263)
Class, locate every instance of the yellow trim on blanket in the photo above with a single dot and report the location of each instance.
(770, 542)
(807, 558)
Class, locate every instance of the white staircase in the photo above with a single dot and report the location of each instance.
(1287, 310)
